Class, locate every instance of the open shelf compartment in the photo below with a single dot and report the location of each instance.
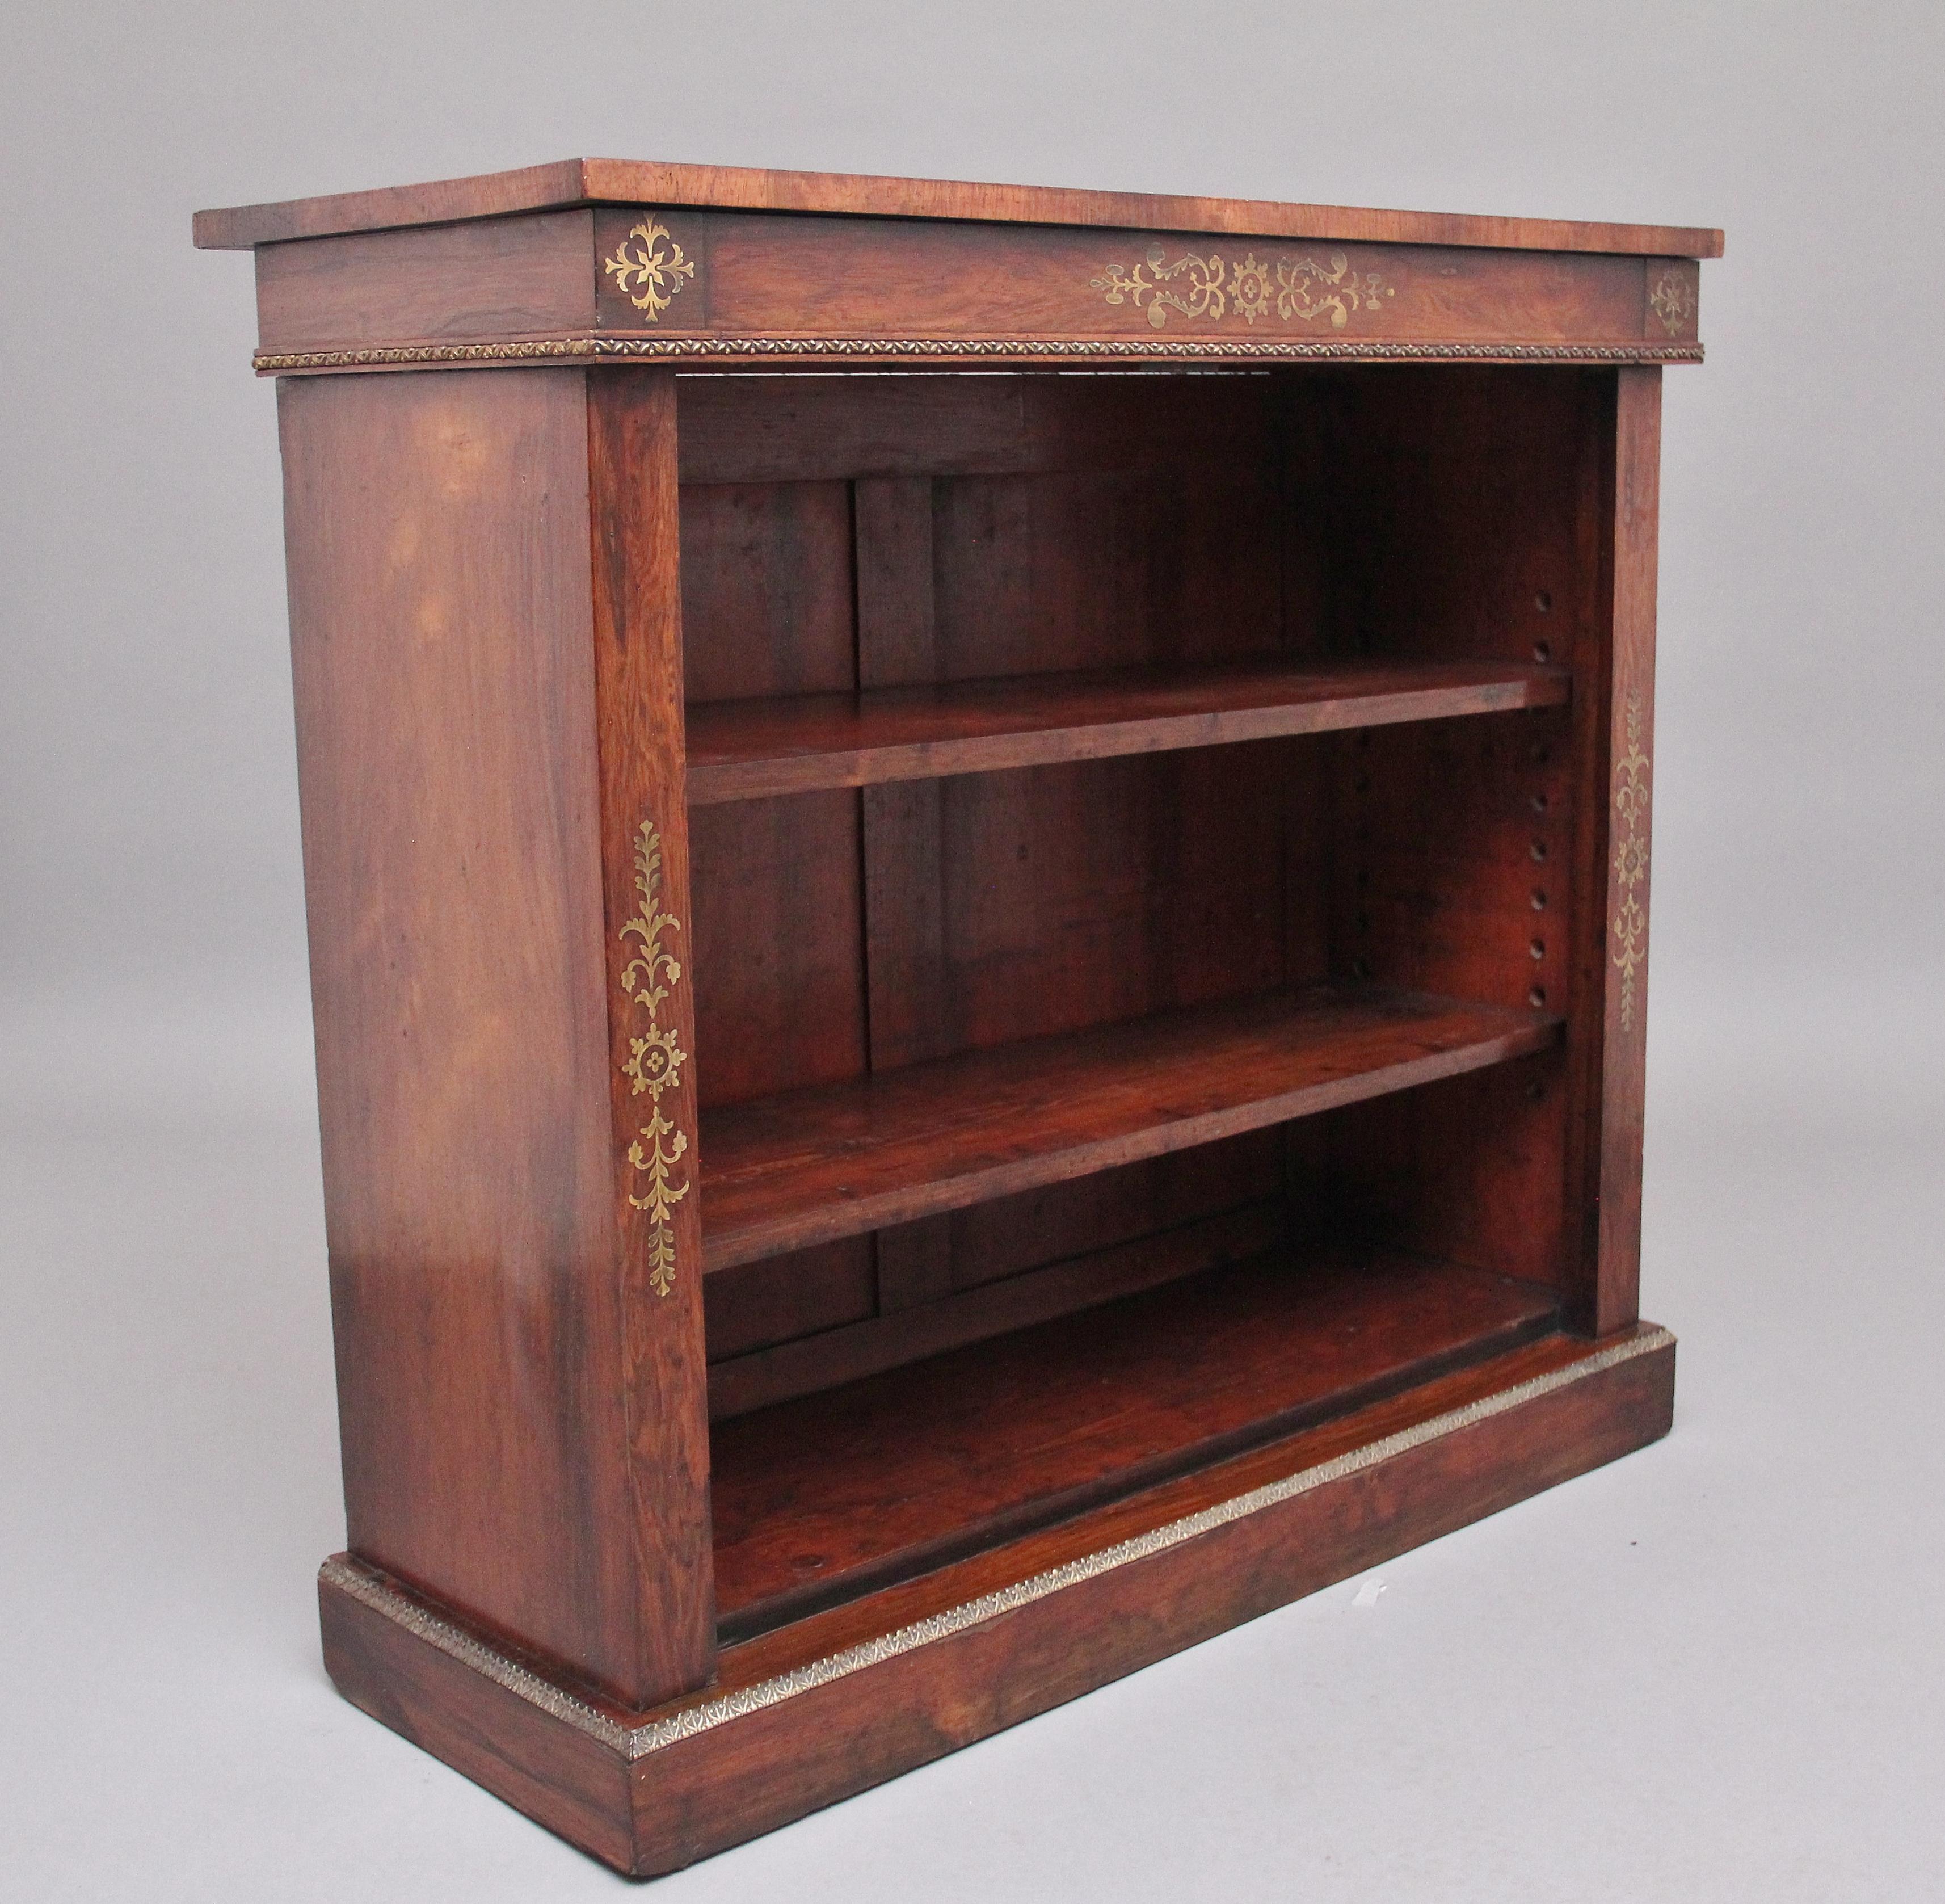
(1137, 932)
(841, 1492)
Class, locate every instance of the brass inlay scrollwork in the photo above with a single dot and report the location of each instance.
(654, 1060)
(1672, 300)
(1297, 288)
(1631, 799)
(651, 273)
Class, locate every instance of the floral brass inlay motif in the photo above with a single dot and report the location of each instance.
(651, 273)
(655, 1061)
(1672, 300)
(1297, 288)
(1631, 798)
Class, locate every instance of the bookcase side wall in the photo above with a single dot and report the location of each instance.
(438, 537)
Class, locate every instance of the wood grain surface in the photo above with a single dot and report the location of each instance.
(886, 1478)
(1152, 877)
(597, 181)
(1617, 858)
(747, 750)
(801, 1358)
(805, 288)
(442, 643)
(636, 596)
(782, 1172)
(866, 1707)
(503, 277)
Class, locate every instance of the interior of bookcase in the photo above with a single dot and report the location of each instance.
(1131, 847)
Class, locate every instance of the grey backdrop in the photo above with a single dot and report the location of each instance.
(1711, 1671)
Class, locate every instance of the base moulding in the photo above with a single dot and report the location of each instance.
(813, 1712)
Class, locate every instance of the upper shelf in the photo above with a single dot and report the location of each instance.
(810, 1166)
(752, 750)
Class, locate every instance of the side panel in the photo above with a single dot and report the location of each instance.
(500, 277)
(437, 530)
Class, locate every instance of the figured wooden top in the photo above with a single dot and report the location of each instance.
(575, 182)
(593, 262)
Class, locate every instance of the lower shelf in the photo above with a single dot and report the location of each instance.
(815, 1711)
(809, 1166)
(820, 1498)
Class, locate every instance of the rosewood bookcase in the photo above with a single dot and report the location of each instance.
(978, 869)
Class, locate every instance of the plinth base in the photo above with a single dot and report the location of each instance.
(812, 1712)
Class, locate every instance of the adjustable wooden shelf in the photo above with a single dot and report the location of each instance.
(978, 875)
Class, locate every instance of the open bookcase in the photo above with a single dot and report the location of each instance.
(978, 892)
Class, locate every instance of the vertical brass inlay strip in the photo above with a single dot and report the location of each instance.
(1631, 803)
(655, 1061)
